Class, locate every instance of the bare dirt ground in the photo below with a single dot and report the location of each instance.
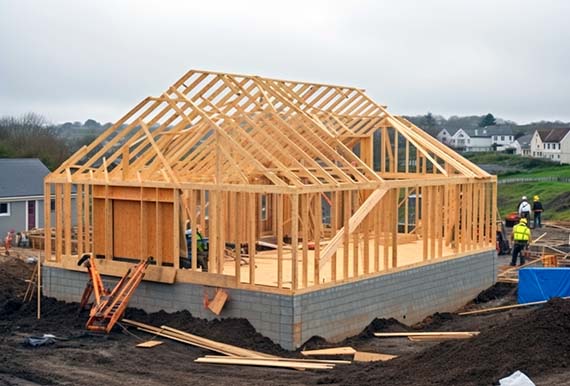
(535, 340)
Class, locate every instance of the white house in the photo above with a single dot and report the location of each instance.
(478, 139)
(522, 145)
(552, 144)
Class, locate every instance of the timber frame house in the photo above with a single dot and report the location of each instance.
(296, 186)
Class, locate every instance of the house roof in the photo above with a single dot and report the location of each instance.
(553, 135)
(489, 131)
(524, 141)
(212, 128)
(22, 177)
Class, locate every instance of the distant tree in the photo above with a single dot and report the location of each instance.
(487, 120)
(92, 124)
(429, 121)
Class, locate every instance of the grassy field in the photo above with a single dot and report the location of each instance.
(555, 196)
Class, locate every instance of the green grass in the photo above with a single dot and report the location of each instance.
(555, 197)
(548, 171)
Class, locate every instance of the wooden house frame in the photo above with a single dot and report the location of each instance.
(296, 186)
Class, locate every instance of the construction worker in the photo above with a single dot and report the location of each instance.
(524, 208)
(8, 241)
(201, 248)
(521, 237)
(537, 209)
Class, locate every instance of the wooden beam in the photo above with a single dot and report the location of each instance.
(353, 222)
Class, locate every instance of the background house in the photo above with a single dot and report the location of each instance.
(21, 194)
(552, 144)
(522, 145)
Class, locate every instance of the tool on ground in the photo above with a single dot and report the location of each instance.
(109, 305)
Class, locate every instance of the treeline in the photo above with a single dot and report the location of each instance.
(433, 123)
(32, 136)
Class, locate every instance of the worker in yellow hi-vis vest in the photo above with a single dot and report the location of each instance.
(521, 237)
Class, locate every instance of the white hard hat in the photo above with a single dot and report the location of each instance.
(524, 197)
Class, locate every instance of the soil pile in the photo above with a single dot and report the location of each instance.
(535, 343)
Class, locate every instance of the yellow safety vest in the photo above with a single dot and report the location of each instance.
(521, 232)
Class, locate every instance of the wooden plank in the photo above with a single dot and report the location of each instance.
(58, 222)
(279, 241)
(305, 236)
(80, 218)
(47, 222)
(330, 351)
(361, 356)
(149, 344)
(280, 359)
(264, 363)
(219, 300)
(252, 223)
(294, 240)
(423, 333)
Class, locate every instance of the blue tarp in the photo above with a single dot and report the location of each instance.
(536, 284)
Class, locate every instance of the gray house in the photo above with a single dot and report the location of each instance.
(21, 194)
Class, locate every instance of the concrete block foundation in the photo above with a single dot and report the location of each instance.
(333, 313)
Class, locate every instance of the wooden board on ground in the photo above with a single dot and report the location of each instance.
(280, 359)
(150, 343)
(433, 338)
(265, 363)
(330, 351)
(218, 302)
(361, 356)
(427, 334)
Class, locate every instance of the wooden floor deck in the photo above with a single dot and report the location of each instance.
(408, 253)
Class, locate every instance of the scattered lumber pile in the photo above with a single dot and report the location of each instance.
(233, 354)
(429, 336)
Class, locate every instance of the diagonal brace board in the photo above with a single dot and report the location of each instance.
(353, 223)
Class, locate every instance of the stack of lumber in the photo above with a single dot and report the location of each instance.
(429, 336)
(232, 354)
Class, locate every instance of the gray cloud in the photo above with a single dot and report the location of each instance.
(72, 60)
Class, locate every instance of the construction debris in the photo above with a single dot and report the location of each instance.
(150, 344)
(361, 356)
(330, 351)
(429, 336)
(218, 302)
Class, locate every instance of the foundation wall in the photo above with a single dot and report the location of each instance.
(333, 313)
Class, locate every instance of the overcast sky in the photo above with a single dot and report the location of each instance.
(72, 60)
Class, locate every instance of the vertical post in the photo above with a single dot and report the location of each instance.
(193, 252)
(294, 240)
(305, 235)
(108, 225)
(252, 237)
(376, 213)
(87, 211)
(80, 218)
(346, 246)
(213, 230)
(425, 221)
(176, 227)
(493, 235)
(394, 226)
(279, 238)
(47, 221)
(237, 242)
(58, 225)
(67, 217)
(317, 229)
(158, 229)
(355, 239)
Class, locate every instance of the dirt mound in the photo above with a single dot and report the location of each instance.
(234, 331)
(498, 291)
(13, 275)
(535, 343)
